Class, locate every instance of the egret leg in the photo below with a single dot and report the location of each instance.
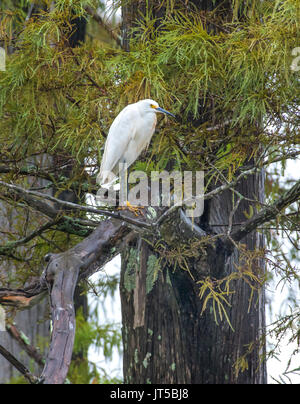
(127, 183)
(137, 210)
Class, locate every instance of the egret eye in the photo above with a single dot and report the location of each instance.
(153, 106)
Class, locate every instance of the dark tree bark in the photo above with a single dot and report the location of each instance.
(167, 338)
(175, 342)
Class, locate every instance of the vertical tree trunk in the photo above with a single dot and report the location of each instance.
(174, 342)
(166, 338)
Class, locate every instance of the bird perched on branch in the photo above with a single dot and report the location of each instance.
(129, 134)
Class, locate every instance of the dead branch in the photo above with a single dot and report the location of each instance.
(23, 342)
(18, 365)
(60, 278)
(103, 24)
(268, 213)
(72, 206)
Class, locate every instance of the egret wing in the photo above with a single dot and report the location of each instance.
(119, 136)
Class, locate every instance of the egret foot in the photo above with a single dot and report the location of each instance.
(137, 210)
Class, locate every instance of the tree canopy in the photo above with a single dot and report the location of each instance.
(226, 76)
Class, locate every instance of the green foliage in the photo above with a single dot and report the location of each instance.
(56, 98)
(205, 67)
(153, 266)
(104, 338)
(18, 380)
(129, 276)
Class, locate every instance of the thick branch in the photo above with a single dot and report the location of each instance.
(60, 278)
(95, 250)
(62, 275)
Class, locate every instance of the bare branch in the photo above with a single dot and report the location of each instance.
(22, 340)
(18, 365)
(103, 24)
(60, 278)
(73, 206)
(268, 213)
(11, 245)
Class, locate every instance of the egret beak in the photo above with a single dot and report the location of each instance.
(165, 112)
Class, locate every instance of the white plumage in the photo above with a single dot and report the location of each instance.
(129, 134)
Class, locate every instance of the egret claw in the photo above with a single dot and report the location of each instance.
(137, 210)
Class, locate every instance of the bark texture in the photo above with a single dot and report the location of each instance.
(173, 341)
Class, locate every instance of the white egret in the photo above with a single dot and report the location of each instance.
(129, 134)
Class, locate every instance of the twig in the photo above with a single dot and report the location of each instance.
(71, 205)
(36, 233)
(30, 11)
(103, 24)
(19, 366)
(22, 340)
(268, 213)
(235, 208)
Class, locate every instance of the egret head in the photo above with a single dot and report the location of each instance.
(152, 106)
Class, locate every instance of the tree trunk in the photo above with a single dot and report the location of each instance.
(167, 338)
(174, 342)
